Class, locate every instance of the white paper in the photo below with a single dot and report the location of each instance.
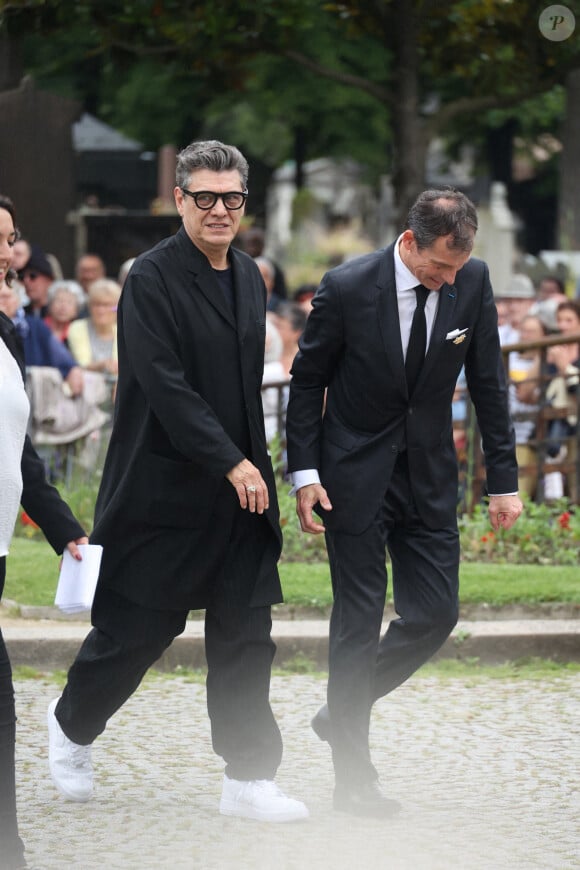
(77, 580)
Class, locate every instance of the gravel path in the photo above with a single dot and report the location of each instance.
(486, 770)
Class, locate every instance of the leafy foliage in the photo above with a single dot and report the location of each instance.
(344, 75)
(545, 534)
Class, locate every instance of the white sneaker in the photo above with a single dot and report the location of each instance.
(259, 799)
(70, 763)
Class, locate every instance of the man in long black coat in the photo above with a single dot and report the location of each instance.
(187, 511)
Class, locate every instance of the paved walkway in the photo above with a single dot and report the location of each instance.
(486, 770)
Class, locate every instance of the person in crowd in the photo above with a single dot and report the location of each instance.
(507, 334)
(252, 240)
(561, 393)
(41, 347)
(549, 286)
(65, 299)
(290, 320)
(93, 340)
(21, 254)
(370, 446)
(37, 275)
(549, 294)
(22, 481)
(520, 296)
(525, 375)
(89, 267)
(268, 273)
(187, 512)
(304, 295)
(273, 401)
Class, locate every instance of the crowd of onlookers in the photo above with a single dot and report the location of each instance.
(68, 332)
(542, 379)
(69, 325)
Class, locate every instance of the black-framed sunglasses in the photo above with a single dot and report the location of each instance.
(206, 199)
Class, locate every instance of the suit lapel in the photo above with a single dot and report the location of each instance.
(388, 315)
(443, 320)
(243, 282)
(205, 280)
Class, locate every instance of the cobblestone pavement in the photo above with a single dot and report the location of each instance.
(486, 771)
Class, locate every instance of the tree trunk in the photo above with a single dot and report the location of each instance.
(11, 69)
(410, 149)
(299, 156)
(569, 201)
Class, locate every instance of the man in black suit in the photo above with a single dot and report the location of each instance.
(370, 447)
(187, 511)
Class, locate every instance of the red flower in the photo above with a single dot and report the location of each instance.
(27, 521)
(564, 520)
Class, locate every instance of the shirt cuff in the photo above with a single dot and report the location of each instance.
(303, 478)
(500, 494)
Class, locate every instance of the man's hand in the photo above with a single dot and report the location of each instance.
(250, 486)
(504, 510)
(74, 550)
(306, 498)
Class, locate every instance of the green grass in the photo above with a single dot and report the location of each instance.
(443, 669)
(32, 572)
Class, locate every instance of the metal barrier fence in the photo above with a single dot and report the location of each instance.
(540, 417)
(551, 446)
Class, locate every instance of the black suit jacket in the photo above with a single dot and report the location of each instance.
(188, 408)
(352, 346)
(40, 500)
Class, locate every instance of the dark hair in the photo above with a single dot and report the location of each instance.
(555, 280)
(294, 314)
(304, 291)
(443, 212)
(570, 305)
(212, 155)
(7, 204)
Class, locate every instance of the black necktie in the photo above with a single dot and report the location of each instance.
(417, 340)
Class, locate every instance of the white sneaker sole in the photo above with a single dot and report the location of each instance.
(246, 811)
(76, 797)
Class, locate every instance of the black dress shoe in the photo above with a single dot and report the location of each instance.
(364, 799)
(321, 724)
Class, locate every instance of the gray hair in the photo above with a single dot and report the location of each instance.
(443, 212)
(212, 155)
(266, 264)
(71, 287)
(104, 288)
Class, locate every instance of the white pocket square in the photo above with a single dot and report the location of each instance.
(456, 334)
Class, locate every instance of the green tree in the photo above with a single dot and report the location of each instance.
(426, 66)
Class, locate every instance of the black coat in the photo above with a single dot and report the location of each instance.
(188, 409)
(40, 500)
(352, 346)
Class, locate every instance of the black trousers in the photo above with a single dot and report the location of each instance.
(362, 666)
(127, 639)
(11, 846)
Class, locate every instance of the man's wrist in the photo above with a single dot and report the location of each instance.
(304, 477)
